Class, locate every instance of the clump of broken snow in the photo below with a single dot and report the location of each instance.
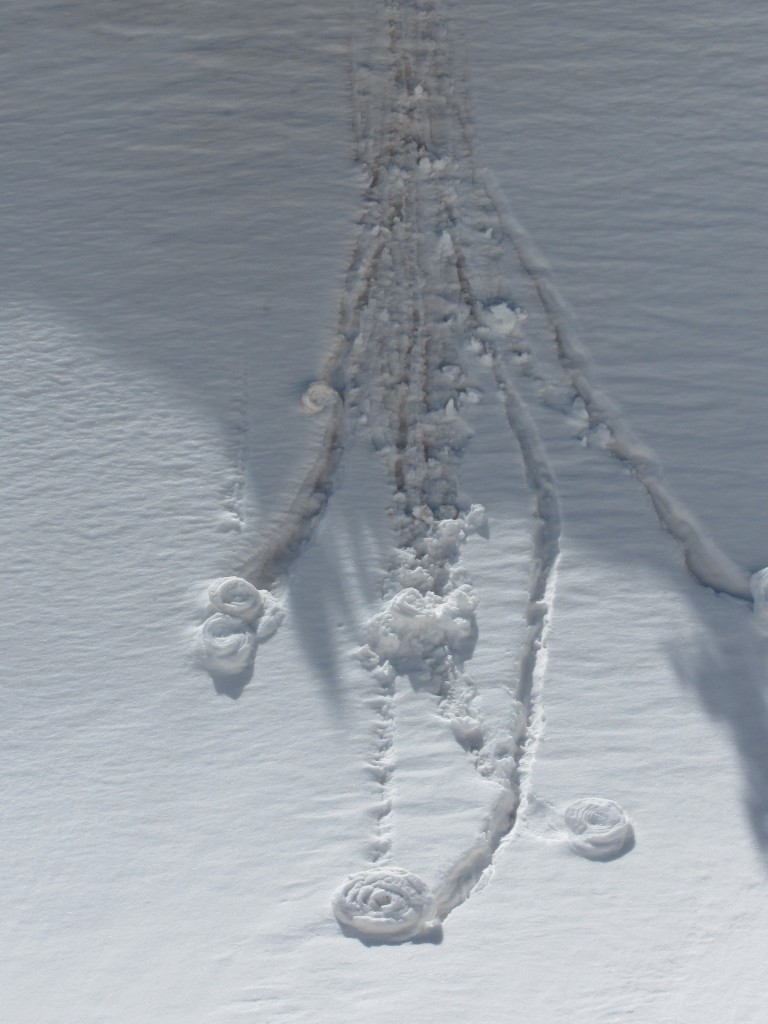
(417, 632)
(235, 596)
(598, 828)
(225, 644)
(593, 827)
(429, 619)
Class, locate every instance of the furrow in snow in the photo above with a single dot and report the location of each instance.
(419, 313)
(710, 566)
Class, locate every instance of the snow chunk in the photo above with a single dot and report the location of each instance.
(386, 903)
(445, 247)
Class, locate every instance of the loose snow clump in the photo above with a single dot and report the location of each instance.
(385, 903)
(318, 397)
(758, 584)
(430, 619)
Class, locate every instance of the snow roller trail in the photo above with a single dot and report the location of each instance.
(706, 562)
(428, 305)
(512, 754)
(411, 317)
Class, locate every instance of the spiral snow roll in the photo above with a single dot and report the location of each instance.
(597, 828)
(409, 604)
(386, 903)
(225, 644)
(318, 397)
(232, 595)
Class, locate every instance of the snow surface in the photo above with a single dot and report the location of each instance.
(384, 512)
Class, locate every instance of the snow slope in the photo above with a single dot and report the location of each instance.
(209, 207)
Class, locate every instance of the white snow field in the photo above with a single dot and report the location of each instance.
(385, 513)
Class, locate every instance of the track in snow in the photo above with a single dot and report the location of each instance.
(427, 292)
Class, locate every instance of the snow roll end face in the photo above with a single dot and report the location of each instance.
(385, 904)
(598, 829)
(225, 645)
(758, 585)
(234, 596)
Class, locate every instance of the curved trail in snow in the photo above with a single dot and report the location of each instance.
(706, 562)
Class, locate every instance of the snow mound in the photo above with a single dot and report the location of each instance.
(225, 644)
(416, 632)
(387, 903)
(597, 828)
(232, 595)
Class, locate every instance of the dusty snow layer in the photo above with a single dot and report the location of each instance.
(179, 200)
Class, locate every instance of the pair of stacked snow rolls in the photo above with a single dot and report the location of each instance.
(242, 617)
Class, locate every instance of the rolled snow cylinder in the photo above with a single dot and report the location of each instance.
(232, 595)
(386, 903)
(318, 397)
(225, 645)
(597, 828)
